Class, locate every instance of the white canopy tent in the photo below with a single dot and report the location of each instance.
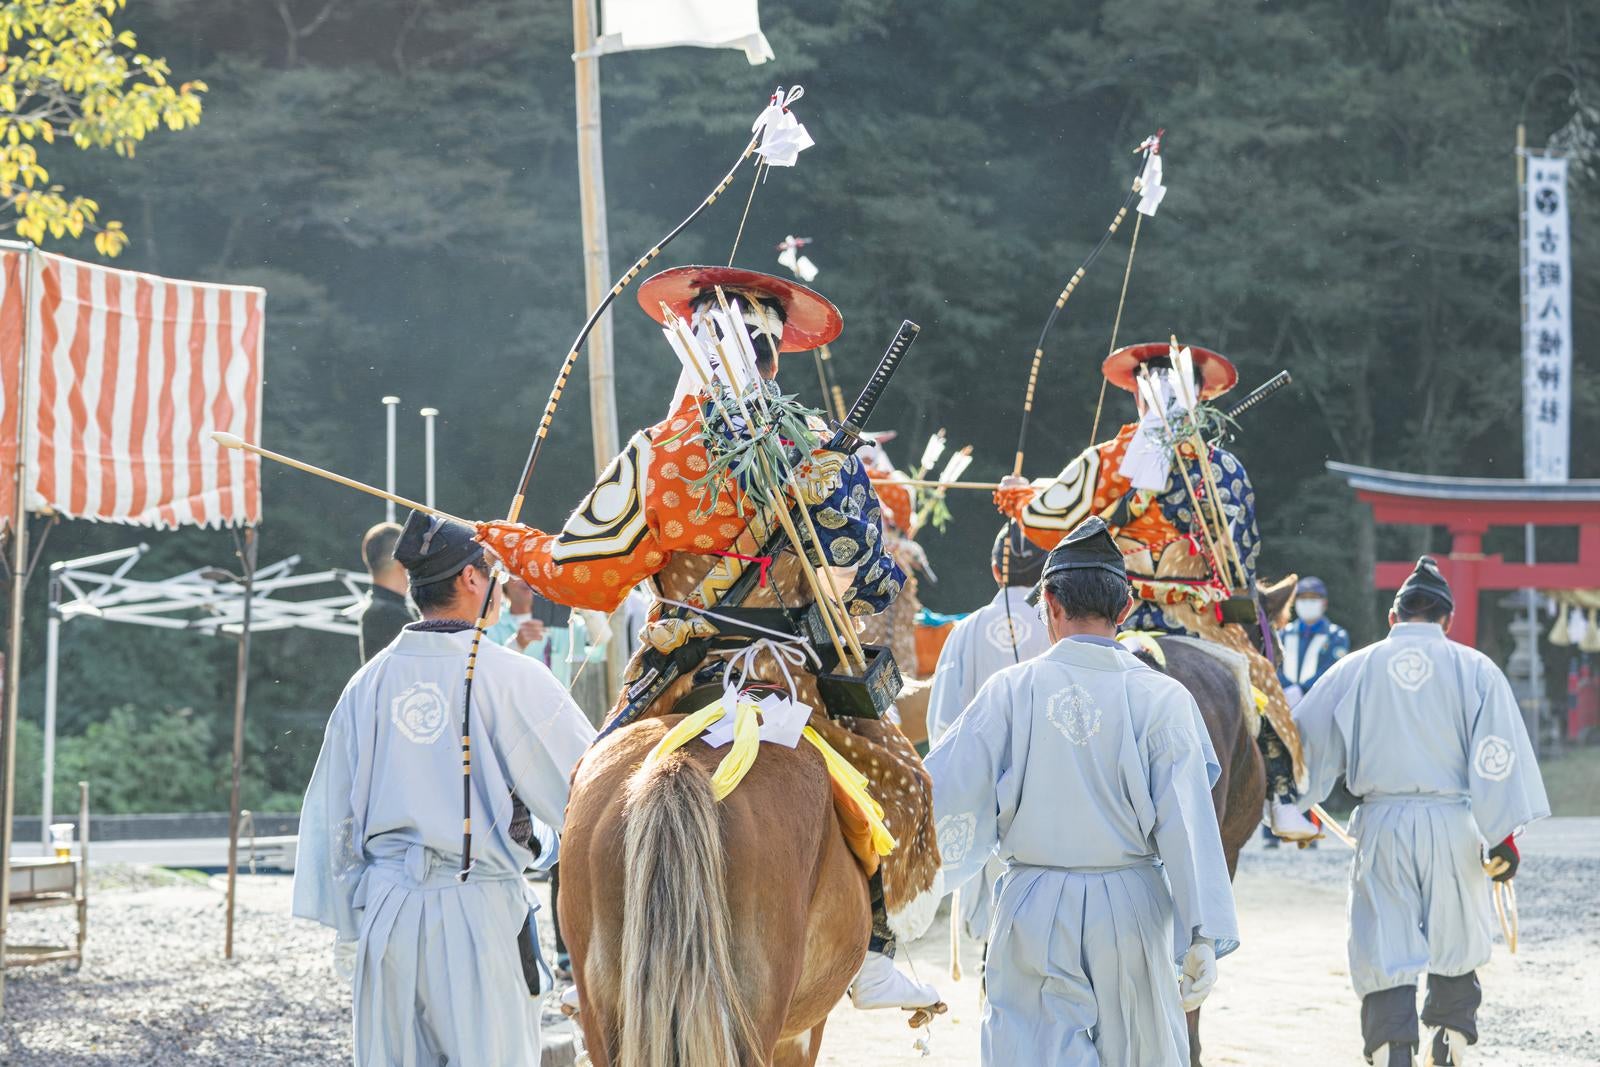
(205, 600)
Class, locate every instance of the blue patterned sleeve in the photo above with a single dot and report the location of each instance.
(1239, 504)
(850, 525)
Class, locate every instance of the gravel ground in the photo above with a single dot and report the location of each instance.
(155, 989)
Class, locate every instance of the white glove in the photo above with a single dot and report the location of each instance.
(344, 958)
(1199, 974)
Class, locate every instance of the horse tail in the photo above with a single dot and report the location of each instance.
(681, 1005)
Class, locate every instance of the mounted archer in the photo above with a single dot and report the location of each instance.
(1182, 509)
(695, 504)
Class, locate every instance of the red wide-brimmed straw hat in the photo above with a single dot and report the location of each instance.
(1216, 372)
(810, 319)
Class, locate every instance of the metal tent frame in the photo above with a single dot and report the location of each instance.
(205, 600)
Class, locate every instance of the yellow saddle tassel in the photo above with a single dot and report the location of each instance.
(741, 754)
(854, 785)
(688, 728)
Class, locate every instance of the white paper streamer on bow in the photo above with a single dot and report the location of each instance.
(1151, 191)
(789, 256)
(783, 137)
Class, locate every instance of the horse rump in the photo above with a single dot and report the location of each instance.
(680, 998)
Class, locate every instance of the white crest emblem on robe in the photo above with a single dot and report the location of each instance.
(1411, 669)
(1003, 633)
(955, 834)
(420, 713)
(1494, 758)
(1074, 712)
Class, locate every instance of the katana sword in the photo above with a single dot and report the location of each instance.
(850, 430)
(671, 666)
(1260, 393)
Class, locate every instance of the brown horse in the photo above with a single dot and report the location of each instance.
(1241, 789)
(663, 978)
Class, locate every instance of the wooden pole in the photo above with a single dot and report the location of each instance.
(596, 261)
(240, 687)
(596, 246)
(8, 732)
(13, 666)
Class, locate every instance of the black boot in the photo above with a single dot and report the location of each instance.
(1389, 1018)
(1399, 1056)
(1452, 1004)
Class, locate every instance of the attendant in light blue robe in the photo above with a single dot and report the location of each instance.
(1428, 735)
(1001, 634)
(442, 970)
(1089, 775)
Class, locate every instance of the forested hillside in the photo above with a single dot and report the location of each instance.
(400, 175)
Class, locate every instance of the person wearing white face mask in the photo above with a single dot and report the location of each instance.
(1311, 643)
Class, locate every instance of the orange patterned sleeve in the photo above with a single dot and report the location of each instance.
(642, 511)
(1049, 510)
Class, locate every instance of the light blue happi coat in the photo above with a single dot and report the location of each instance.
(1001, 634)
(1428, 735)
(1089, 774)
(438, 977)
(1004, 632)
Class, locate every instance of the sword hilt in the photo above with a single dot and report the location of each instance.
(851, 429)
(1260, 393)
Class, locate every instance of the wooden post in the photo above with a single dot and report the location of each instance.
(596, 264)
(13, 666)
(241, 686)
(8, 732)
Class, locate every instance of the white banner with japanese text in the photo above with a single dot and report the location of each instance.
(1546, 322)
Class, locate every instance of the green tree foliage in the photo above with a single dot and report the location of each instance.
(401, 176)
(135, 761)
(67, 70)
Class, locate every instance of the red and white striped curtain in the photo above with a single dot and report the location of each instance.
(111, 382)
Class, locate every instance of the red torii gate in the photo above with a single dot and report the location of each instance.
(1467, 507)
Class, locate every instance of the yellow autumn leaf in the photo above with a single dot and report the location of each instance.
(71, 60)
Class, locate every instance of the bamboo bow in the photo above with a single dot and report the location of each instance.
(534, 451)
(1150, 147)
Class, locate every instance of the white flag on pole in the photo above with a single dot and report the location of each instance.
(630, 25)
(1547, 322)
